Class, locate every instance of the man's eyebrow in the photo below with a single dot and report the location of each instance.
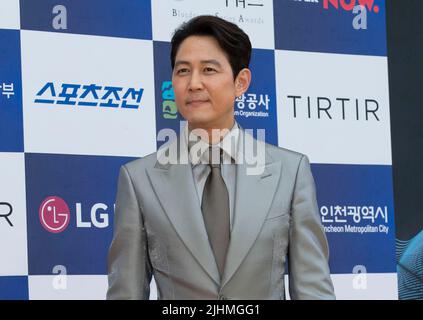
(211, 61)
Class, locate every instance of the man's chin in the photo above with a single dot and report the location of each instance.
(198, 123)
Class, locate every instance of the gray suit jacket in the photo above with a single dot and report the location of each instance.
(159, 230)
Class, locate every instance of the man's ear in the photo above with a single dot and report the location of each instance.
(242, 81)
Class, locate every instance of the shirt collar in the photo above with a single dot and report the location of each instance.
(229, 145)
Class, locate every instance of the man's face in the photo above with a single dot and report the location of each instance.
(203, 83)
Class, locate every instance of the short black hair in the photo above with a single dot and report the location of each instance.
(232, 39)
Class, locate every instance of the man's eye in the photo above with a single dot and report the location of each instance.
(209, 69)
(181, 71)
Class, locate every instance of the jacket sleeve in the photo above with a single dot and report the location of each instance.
(129, 269)
(309, 275)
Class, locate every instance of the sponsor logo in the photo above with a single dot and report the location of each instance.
(348, 5)
(239, 4)
(333, 109)
(252, 105)
(6, 210)
(91, 95)
(243, 3)
(350, 219)
(55, 215)
(6, 89)
(169, 109)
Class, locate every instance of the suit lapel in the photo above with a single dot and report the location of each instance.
(175, 189)
(254, 196)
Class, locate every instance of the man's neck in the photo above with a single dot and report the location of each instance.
(212, 134)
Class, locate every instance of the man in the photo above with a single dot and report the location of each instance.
(208, 228)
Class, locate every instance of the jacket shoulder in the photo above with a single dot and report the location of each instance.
(140, 164)
(283, 154)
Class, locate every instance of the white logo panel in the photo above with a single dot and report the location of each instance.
(87, 94)
(13, 233)
(334, 108)
(373, 286)
(255, 17)
(67, 287)
(9, 14)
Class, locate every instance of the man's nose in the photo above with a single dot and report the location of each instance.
(196, 82)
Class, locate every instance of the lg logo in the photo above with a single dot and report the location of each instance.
(55, 215)
(6, 210)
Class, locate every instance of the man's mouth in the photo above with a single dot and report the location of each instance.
(195, 102)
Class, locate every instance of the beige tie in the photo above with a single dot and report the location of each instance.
(215, 208)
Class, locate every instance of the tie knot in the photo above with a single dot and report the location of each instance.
(215, 155)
